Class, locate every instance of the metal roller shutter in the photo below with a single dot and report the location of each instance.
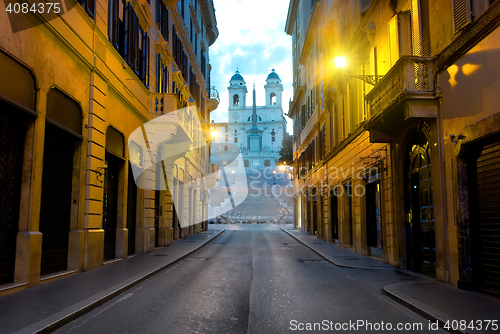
(486, 218)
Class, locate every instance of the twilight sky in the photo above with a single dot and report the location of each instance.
(252, 38)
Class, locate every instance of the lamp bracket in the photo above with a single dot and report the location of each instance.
(370, 79)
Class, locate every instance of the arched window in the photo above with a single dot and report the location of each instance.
(236, 100)
(272, 99)
(259, 119)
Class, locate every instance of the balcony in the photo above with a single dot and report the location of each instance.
(405, 94)
(164, 103)
(184, 118)
(213, 100)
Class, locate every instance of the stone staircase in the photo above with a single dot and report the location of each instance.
(260, 204)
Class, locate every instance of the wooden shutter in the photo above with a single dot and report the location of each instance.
(416, 30)
(461, 14)
(145, 59)
(394, 40)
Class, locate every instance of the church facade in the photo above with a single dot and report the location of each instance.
(257, 131)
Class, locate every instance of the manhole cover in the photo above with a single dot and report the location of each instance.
(159, 254)
(196, 259)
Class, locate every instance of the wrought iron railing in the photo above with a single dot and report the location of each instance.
(409, 75)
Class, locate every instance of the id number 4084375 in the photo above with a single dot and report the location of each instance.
(472, 325)
(40, 7)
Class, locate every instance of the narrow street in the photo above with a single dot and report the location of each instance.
(250, 279)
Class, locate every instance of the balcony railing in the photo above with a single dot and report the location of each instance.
(186, 118)
(214, 94)
(411, 77)
(164, 103)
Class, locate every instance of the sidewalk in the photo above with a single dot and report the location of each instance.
(430, 298)
(44, 308)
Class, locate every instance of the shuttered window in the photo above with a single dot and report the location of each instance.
(394, 40)
(89, 6)
(126, 35)
(461, 14)
(416, 32)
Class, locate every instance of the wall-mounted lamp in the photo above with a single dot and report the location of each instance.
(100, 172)
(340, 62)
(452, 138)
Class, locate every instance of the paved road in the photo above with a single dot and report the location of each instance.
(251, 279)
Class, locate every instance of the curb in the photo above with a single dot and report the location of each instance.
(77, 310)
(330, 260)
(406, 301)
(418, 307)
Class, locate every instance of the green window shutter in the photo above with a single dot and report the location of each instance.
(461, 14)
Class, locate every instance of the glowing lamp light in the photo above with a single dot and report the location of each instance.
(215, 133)
(282, 167)
(339, 62)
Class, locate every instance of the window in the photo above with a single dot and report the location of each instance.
(272, 99)
(128, 38)
(227, 139)
(247, 164)
(259, 119)
(235, 139)
(273, 138)
(236, 100)
(89, 6)
(203, 65)
(162, 76)
(225, 148)
(162, 18)
(466, 11)
(393, 40)
(267, 163)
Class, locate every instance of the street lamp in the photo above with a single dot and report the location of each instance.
(340, 62)
(233, 175)
(274, 177)
(214, 133)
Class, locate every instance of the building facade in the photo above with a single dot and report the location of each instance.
(258, 131)
(396, 152)
(73, 87)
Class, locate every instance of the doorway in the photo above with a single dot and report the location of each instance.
(334, 215)
(55, 208)
(13, 125)
(484, 197)
(131, 210)
(419, 228)
(110, 205)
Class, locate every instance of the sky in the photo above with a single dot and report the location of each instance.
(251, 39)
